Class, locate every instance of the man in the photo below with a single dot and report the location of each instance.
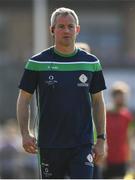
(63, 76)
(118, 121)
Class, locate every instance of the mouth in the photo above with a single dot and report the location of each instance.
(66, 37)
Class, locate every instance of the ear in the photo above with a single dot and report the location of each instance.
(77, 29)
(52, 30)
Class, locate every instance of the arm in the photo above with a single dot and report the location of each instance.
(99, 116)
(23, 116)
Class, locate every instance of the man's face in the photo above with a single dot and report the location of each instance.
(65, 30)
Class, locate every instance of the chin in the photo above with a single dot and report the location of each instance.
(66, 44)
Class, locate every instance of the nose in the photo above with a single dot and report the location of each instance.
(66, 29)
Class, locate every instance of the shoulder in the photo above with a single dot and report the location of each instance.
(35, 63)
(43, 55)
(90, 60)
(88, 56)
(125, 112)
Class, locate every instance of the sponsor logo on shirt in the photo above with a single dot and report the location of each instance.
(53, 67)
(83, 81)
(51, 80)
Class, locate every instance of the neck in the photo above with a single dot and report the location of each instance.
(118, 108)
(65, 50)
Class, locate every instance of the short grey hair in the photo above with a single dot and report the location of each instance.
(63, 12)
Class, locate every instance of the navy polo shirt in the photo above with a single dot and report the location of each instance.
(63, 85)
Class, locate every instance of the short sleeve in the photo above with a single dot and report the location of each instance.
(29, 81)
(97, 82)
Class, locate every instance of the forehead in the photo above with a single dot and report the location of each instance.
(65, 19)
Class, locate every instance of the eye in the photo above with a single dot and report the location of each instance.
(61, 26)
(71, 26)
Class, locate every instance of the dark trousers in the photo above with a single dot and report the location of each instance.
(75, 163)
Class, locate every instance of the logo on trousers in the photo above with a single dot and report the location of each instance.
(45, 170)
(90, 160)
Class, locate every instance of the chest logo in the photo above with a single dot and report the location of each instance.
(51, 80)
(51, 77)
(83, 78)
(83, 81)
